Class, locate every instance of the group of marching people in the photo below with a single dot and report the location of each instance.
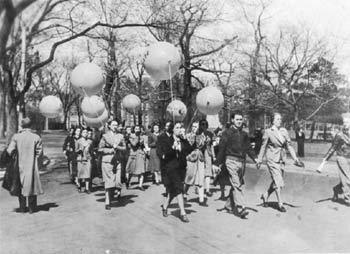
(177, 159)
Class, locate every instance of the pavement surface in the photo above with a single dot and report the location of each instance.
(72, 222)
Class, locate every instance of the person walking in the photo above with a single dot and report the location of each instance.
(154, 161)
(340, 146)
(276, 141)
(29, 148)
(233, 147)
(172, 149)
(111, 143)
(68, 151)
(300, 138)
(84, 152)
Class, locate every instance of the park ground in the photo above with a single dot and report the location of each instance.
(72, 222)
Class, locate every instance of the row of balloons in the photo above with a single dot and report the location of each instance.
(162, 62)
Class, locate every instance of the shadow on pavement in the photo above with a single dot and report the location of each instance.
(120, 201)
(46, 207)
(274, 205)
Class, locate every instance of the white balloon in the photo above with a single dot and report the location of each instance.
(97, 121)
(87, 79)
(177, 109)
(92, 106)
(50, 106)
(160, 55)
(209, 100)
(131, 102)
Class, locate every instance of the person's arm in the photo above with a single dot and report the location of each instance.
(121, 145)
(289, 146)
(151, 141)
(104, 147)
(65, 143)
(222, 149)
(165, 151)
(248, 148)
(261, 154)
(13, 144)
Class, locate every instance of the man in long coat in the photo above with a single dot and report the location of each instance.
(29, 148)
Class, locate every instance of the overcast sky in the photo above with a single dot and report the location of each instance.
(326, 18)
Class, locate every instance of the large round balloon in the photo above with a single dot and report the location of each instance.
(87, 79)
(131, 102)
(159, 56)
(50, 106)
(92, 106)
(177, 109)
(209, 100)
(96, 121)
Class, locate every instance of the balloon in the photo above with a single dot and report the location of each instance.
(209, 100)
(96, 121)
(160, 55)
(50, 106)
(87, 79)
(92, 106)
(131, 102)
(177, 109)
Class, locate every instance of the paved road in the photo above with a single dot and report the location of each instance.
(72, 222)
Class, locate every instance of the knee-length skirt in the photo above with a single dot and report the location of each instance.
(84, 169)
(276, 170)
(110, 179)
(195, 173)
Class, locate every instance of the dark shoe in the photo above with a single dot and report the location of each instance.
(225, 209)
(282, 209)
(87, 191)
(263, 199)
(79, 189)
(335, 194)
(32, 210)
(20, 210)
(208, 193)
(164, 211)
(142, 189)
(204, 203)
(243, 213)
(108, 207)
(184, 218)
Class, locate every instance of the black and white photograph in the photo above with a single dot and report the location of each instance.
(174, 126)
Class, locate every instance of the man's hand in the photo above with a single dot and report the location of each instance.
(216, 169)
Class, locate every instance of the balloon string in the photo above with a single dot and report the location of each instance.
(97, 116)
(171, 88)
(194, 114)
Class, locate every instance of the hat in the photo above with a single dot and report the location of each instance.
(26, 122)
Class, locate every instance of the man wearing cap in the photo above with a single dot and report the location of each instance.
(233, 147)
(29, 148)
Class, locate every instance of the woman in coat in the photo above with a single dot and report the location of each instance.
(29, 148)
(84, 152)
(195, 174)
(137, 162)
(276, 141)
(341, 145)
(154, 162)
(172, 149)
(111, 143)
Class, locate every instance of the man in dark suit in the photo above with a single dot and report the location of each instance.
(172, 151)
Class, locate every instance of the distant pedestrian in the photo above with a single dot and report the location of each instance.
(300, 138)
(69, 152)
(29, 148)
(84, 151)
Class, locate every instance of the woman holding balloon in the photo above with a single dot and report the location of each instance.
(84, 151)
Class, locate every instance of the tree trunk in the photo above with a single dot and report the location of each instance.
(312, 131)
(2, 109)
(12, 118)
(188, 97)
(325, 132)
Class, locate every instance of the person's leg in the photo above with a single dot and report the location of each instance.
(32, 203)
(22, 203)
(181, 203)
(87, 185)
(107, 199)
(141, 178)
(207, 186)
(201, 194)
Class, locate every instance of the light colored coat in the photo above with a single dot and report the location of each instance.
(275, 143)
(29, 148)
(107, 142)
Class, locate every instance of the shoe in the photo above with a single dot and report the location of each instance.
(243, 213)
(282, 209)
(184, 218)
(164, 211)
(263, 199)
(142, 189)
(225, 209)
(87, 191)
(335, 194)
(204, 203)
(79, 190)
(208, 193)
(20, 210)
(108, 207)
